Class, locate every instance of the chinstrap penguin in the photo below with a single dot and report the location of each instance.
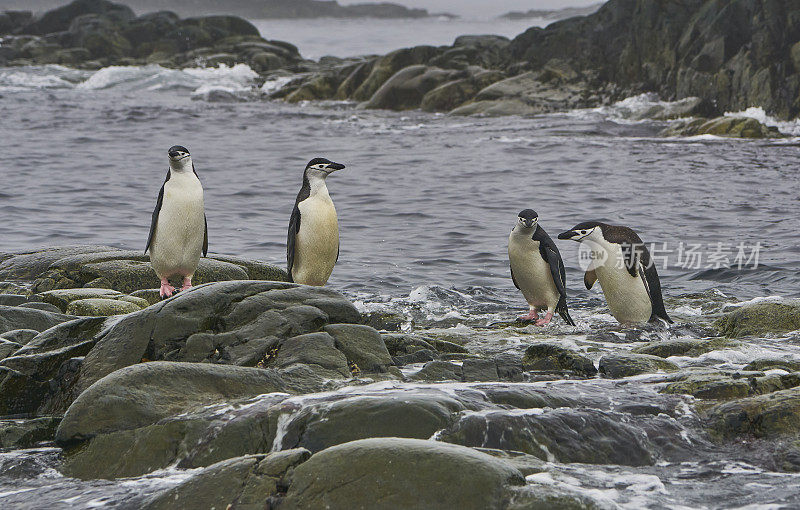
(625, 270)
(537, 269)
(179, 231)
(312, 246)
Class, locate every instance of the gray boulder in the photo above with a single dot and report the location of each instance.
(550, 357)
(759, 319)
(618, 365)
(362, 346)
(13, 317)
(243, 482)
(344, 476)
(143, 394)
(407, 88)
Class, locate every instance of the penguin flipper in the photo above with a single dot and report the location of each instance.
(559, 278)
(294, 228)
(156, 212)
(205, 237)
(589, 278)
(514, 279)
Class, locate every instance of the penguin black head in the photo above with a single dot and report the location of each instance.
(528, 218)
(178, 152)
(321, 167)
(581, 231)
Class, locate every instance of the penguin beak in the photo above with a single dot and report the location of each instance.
(529, 223)
(569, 234)
(334, 167)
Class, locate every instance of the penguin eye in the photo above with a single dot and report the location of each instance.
(583, 232)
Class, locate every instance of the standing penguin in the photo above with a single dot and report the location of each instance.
(179, 231)
(537, 269)
(312, 246)
(624, 268)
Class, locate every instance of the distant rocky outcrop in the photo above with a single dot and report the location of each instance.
(255, 9)
(98, 33)
(552, 14)
(727, 56)
(712, 57)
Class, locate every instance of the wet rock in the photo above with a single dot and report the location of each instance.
(551, 357)
(62, 298)
(47, 307)
(684, 347)
(562, 435)
(12, 299)
(320, 423)
(386, 67)
(759, 319)
(406, 89)
(30, 265)
(316, 350)
(8, 348)
(60, 19)
(789, 365)
(555, 88)
(13, 317)
(361, 345)
(343, 477)
(453, 94)
(243, 482)
(619, 365)
(476, 369)
(731, 127)
(771, 415)
(27, 433)
(400, 344)
(143, 394)
(439, 371)
(727, 385)
(227, 322)
(385, 320)
(97, 307)
(20, 336)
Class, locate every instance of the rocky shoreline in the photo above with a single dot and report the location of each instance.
(281, 396)
(713, 58)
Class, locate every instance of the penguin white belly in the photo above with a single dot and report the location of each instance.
(317, 241)
(532, 273)
(626, 295)
(178, 240)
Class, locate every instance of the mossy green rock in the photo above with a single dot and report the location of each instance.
(722, 385)
(26, 433)
(684, 347)
(619, 365)
(143, 394)
(63, 297)
(552, 357)
(101, 307)
(771, 415)
(758, 319)
(729, 127)
(243, 482)
(790, 365)
(422, 475)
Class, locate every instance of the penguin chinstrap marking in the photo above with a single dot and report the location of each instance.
(312, 245)
(537, 270)
(626, 272)
(179, 231)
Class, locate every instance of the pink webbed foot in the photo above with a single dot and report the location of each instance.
(166, 289)
(532, 316)
(187, 283)
(545, 320)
